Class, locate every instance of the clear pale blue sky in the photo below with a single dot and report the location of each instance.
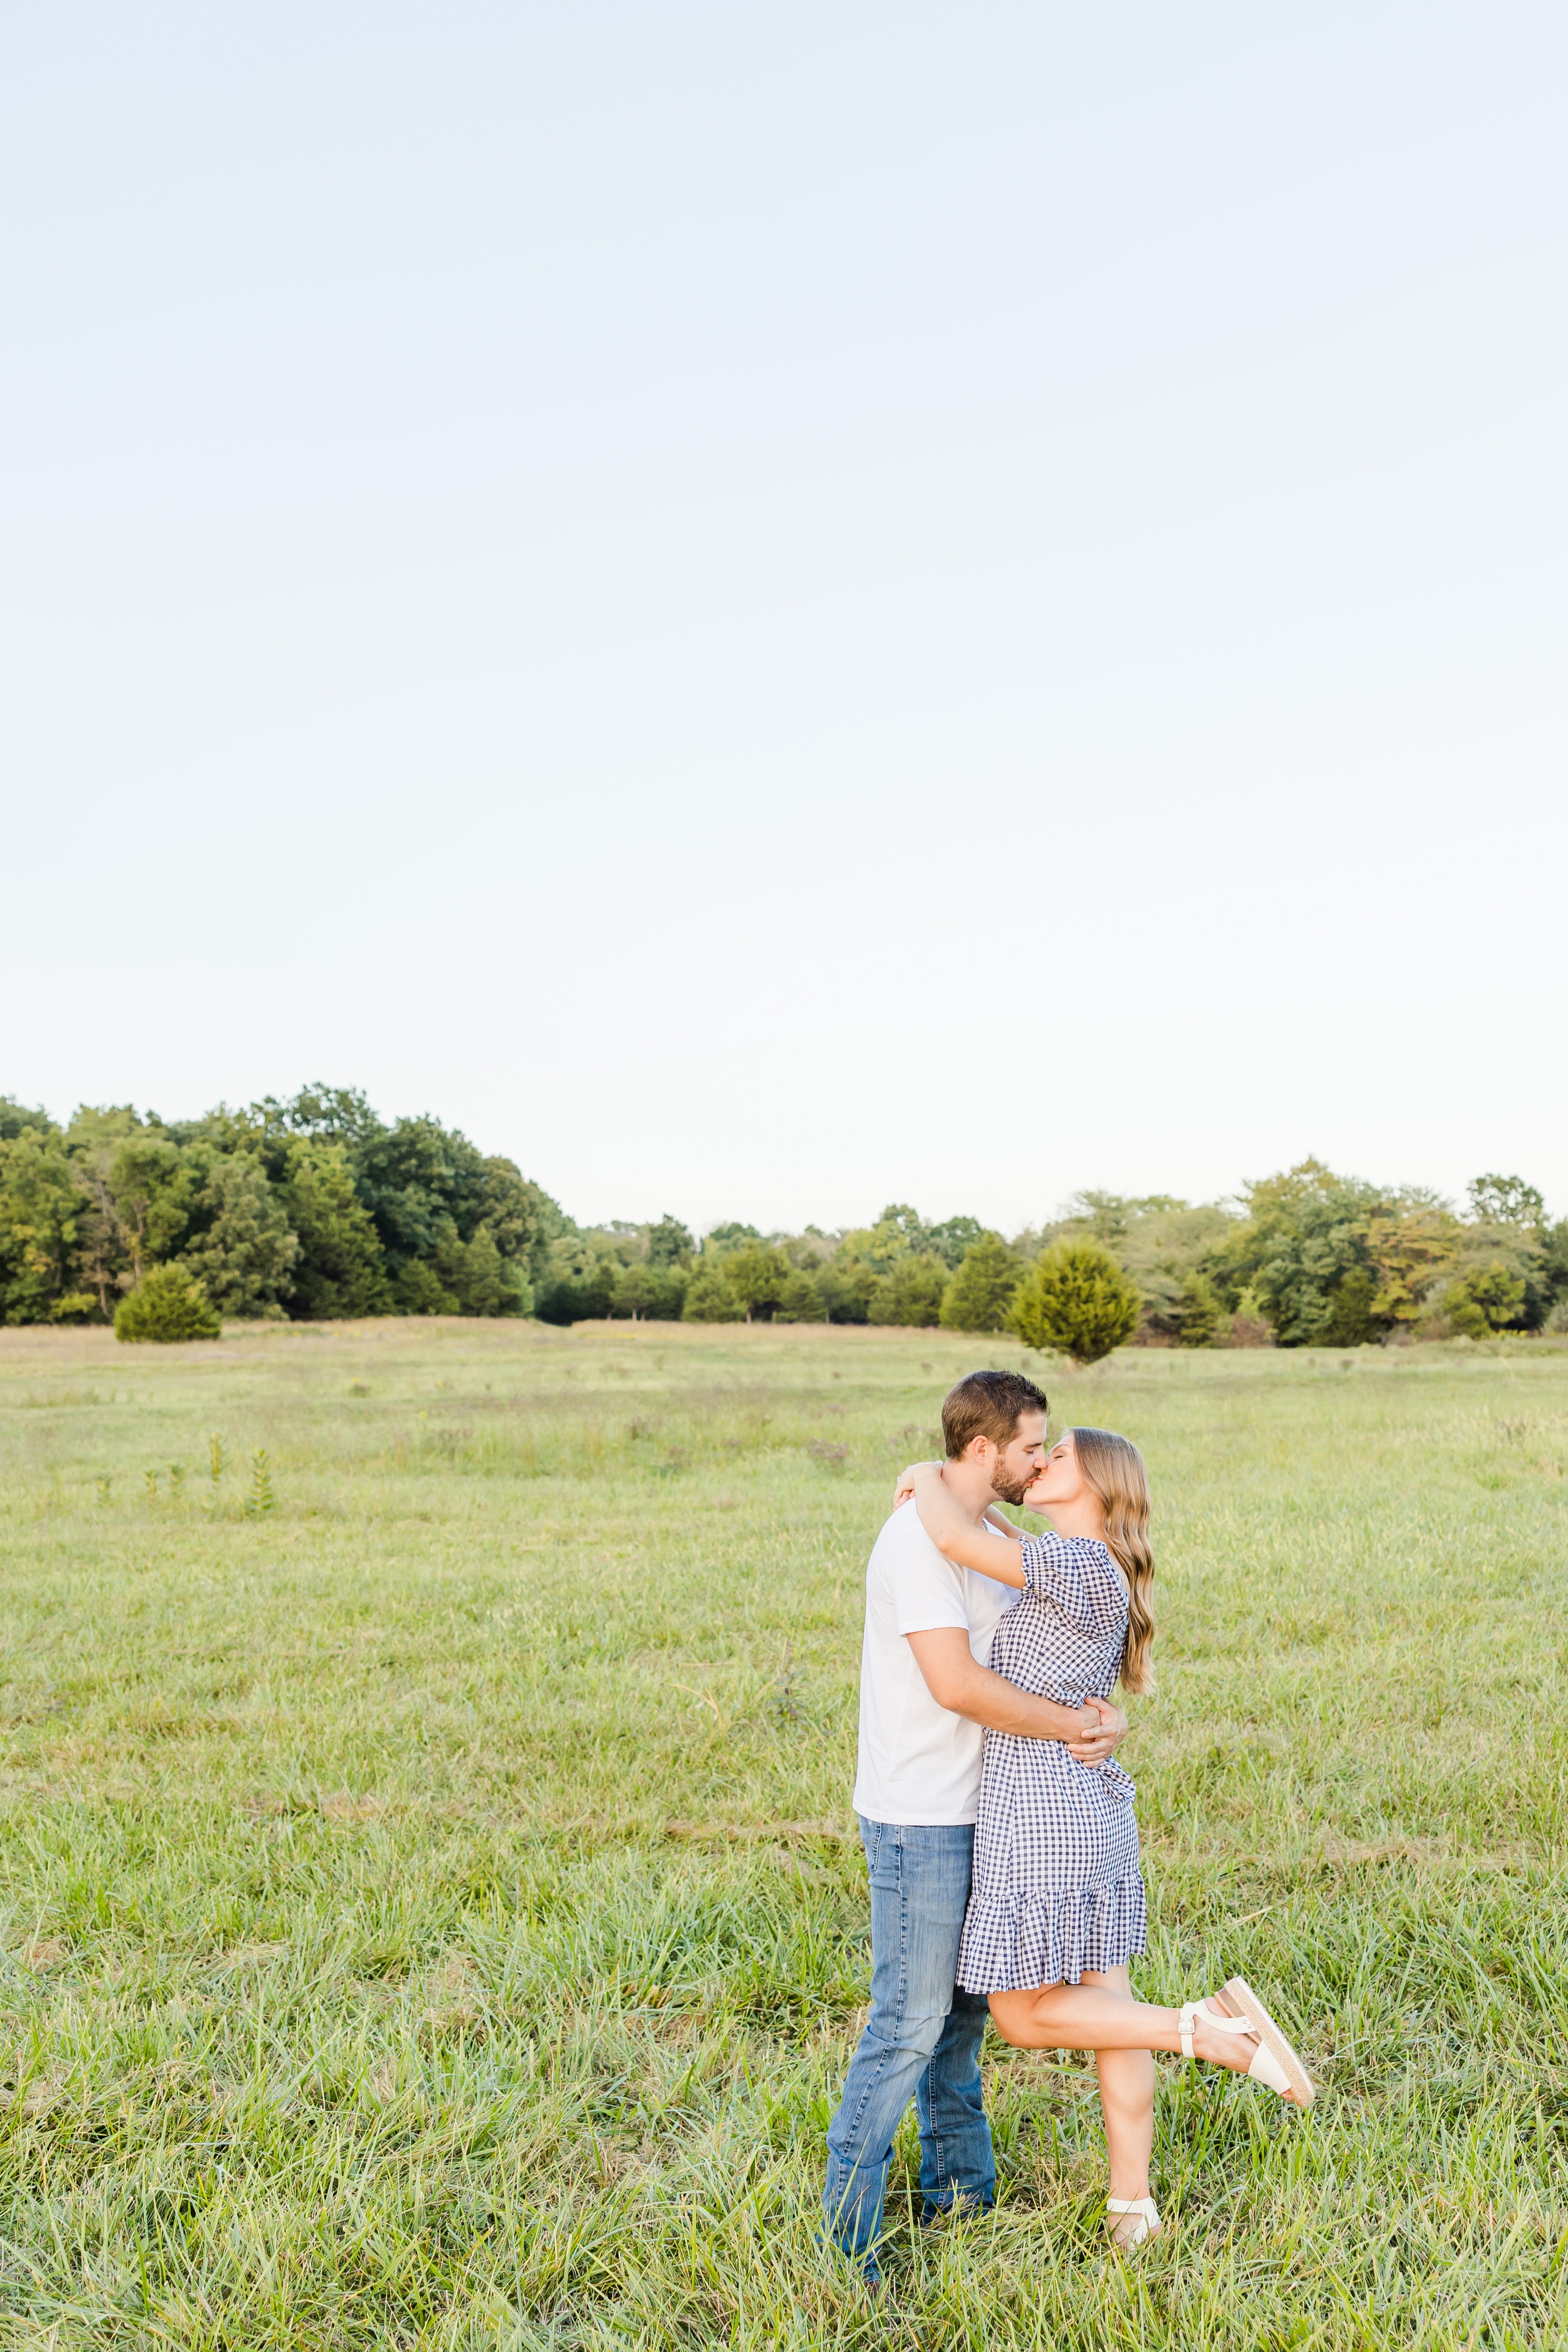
(772, 609)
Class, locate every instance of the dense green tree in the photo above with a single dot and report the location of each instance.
(979, 1295)
(636, 1287)
(239, 1245)
(168, 1304)
(580, 1283)
(757, 1272)
(670, 1243)
(950, 1239)
(709, 1298)
(1304, 1234)
(1076, 1299)
(16, 1118)
(847, 1287)
(649, 1292)
(801, 1301)
(340, 1269)
(418, 1289)
(1554, 1262)
(1489, 1298)
(42, 1210)
(1182, 1309)
(152, 1185)
(911, 1292)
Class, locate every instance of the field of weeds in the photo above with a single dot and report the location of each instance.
(431, 1912)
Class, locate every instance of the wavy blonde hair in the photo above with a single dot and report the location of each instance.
(1113, 1470)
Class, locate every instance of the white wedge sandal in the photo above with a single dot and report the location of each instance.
(1118, 2212)
(1274, 2061)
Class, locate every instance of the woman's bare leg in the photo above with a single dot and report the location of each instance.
(1090, 2016)
(1126, 2098)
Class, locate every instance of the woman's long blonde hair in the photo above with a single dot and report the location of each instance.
(1113, 1470)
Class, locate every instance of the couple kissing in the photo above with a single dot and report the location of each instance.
(999, 1832)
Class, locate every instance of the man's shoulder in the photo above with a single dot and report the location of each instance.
(904, 1542)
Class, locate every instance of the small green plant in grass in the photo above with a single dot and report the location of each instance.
(168, 1304)
(261, 1498)
(215, 1457)
(149, 1481)
(103, 1486)
(177, 1480)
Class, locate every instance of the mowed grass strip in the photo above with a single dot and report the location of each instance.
(432, 1911)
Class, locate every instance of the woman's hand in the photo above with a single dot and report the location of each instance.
(904, 1490)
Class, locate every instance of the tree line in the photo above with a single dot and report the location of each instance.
(316, 1208)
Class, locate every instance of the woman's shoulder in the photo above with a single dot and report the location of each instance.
(1088, 1551)
(1082, 1564)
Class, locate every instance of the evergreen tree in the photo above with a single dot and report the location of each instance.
(241, 1247)
(1076, 1299)
(980, 1293)
(757, 1274)
(911, 1293)
(168, 1304)
(710, 1299)
(340, 1269)
(801, 1301)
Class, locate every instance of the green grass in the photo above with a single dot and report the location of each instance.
(430, 1912)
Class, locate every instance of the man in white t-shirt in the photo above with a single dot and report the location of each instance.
(926, 1695)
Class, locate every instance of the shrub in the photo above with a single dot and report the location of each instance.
(168, 1303)
(1076, 1299)
(980, 1293)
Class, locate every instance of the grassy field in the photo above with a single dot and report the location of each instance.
(431, 1915)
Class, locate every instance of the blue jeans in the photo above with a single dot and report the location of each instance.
(922, 2041)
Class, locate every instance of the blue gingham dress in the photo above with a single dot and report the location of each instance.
(1056, 1887)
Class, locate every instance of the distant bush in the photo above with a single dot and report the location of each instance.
(1076, 1299)
(167, 1304)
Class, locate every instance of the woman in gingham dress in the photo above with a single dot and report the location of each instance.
(1056, 1902)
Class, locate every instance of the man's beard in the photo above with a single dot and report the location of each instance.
(1012, 1490)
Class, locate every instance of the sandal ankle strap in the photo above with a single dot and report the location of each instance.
(1202, 2012)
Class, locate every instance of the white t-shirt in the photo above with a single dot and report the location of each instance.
(918, 1761)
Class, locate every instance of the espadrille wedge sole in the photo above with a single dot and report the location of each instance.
(1297, 2083)
(1274, 2062)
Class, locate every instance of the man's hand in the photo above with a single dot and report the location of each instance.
(954, 1680)
(1106, 1727)
(904, 1490)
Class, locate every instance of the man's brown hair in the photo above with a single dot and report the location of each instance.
(988, 1405)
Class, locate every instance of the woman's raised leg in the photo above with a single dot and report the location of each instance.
(1092, 2016)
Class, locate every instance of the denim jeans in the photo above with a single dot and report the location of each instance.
(922, 2041)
